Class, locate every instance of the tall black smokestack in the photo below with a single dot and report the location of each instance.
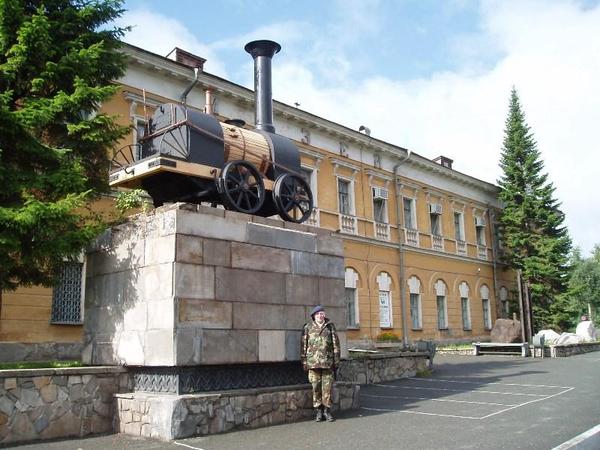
(262, 52)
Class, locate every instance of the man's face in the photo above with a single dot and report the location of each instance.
(320, 317)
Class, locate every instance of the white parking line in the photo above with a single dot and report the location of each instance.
(188, 446)
(527, 403)
(417, 412)
(436, 400)
(539, 398)
(485, 383)
(459, 390)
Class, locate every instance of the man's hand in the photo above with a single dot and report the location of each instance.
(305, 366)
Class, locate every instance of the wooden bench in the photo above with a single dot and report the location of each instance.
(501, 348)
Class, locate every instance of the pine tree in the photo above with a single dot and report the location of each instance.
(532, 227)
(57, 59)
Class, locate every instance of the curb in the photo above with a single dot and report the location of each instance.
(588, 440)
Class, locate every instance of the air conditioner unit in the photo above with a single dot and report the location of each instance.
(435, 208)
(479, 222)
(380, 193)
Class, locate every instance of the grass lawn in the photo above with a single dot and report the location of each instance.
(39, 365)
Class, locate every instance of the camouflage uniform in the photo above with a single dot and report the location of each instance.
(320, 355)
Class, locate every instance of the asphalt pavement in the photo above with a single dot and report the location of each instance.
(483, 402)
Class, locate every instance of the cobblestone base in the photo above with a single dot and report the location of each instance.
(168, 416)
(378, 368)
(57, 403)
(558, 351)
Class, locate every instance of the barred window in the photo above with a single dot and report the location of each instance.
(67, 295)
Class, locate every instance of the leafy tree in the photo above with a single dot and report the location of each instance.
(531, 223)
(584, 285)
(57, 59)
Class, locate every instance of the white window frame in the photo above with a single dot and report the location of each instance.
(440, 292)
(384, 206)
(351, 282)
(484, 291)
(384, 282)
(463, 289)
(480, 235)
(440, 232)
(459, 233)
(413, 212)
(351, 206)
(414, 288)
(312, 182)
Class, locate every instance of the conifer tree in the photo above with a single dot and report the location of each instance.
(532, 229)
(57, 62)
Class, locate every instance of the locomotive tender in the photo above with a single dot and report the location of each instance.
(189, 156)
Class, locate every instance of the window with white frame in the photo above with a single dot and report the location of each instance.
(67, 295)
(345, 196)
(414, 289)
(485, 303)
(410, 219)
(480, 231)
(380, 205)
(441, 304)
(384, 282)
(436, 223)
(465, 305)
(459, 226)
(351, 294)
(309, 175)
(504, 301)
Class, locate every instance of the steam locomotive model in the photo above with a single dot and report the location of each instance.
(189, 156)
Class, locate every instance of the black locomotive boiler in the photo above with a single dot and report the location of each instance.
(189, 156)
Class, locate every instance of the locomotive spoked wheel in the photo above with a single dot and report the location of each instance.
(293, 198)
(241, 187)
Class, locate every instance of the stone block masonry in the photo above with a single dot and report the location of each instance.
(191, 285)
(170, 417)
(58, 403)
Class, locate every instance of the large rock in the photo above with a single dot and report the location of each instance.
(506, 330)
(587, 331)
(550, 336)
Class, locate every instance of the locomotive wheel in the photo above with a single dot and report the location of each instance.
(241, 187)
(293, 198)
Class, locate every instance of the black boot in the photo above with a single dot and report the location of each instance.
(319, 414)
(327, 415)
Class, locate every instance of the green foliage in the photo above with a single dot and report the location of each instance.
(135, 198)
(39, 365)
(531, 223)
(387, 336)
(57, 61)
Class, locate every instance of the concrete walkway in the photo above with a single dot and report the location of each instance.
(491, 402)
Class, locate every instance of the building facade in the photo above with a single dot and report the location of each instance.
(420, 249)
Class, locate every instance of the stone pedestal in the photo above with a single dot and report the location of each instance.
(188, 285)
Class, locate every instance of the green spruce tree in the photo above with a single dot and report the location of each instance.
(532, 228)
(58, 59)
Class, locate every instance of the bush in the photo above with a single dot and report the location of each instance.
(387, 336)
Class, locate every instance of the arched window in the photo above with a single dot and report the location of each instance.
(485, 303)
(384, 282)
(351, 293)
(442, 307)
(465, 305)
(414, 289)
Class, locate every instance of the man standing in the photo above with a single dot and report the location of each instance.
(320, 355)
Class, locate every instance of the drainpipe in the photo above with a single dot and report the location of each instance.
(491, 218)
(190, 87)
(398, 185)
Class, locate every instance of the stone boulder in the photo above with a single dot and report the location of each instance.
(587, 331)
(569, 338)
(506, 331)
(550, 336)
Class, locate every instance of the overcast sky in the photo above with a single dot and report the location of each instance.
(432, 76)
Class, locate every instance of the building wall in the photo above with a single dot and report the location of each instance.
(331, 151)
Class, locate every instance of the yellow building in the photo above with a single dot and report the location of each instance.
(419, 241)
